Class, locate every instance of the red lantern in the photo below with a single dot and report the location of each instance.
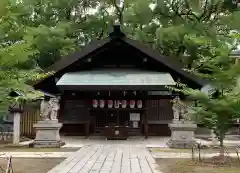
(95, 103)
(101, 103)
(124, 103)
(110, 103)
(132, 103)
(139, 104)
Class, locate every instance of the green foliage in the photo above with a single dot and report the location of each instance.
(221, 108)
(200, 34)
(15, 49)
(51, 43)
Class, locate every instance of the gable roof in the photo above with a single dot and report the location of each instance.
(70, 59)
(118, 34)
(174, 65)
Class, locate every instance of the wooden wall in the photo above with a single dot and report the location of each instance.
(75, 110)
(159, 115)
(159, 110)
(30, 116)
(74, 116)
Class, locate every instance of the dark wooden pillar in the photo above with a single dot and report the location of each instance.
(61, 110)
(145, 116)
(117, 118)
(87, 126)
(145, 124)
(93, 123)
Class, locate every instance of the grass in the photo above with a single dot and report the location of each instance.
(189, 166)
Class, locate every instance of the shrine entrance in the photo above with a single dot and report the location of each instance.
(118, 112)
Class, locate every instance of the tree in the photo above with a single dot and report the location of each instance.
(15, 51)
(219, 108)
(34, 34)
(201, 34)
(60, 27)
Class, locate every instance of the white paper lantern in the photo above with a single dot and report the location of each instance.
(124, 103)
(132, 103)
(101, 103)
(95, 103)
(139, 104)
(110, 103)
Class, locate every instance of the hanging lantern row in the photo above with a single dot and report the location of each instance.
(124, 93)
(116, 103)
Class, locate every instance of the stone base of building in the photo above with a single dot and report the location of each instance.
(47, 134)
(182, 135)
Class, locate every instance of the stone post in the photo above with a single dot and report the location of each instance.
(16, 111)
(16, 128)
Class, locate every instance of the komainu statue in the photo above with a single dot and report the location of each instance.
(45, 109)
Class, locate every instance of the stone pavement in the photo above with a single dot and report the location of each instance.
(78, 141)
(111, 158)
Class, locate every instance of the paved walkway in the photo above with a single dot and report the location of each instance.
(112, 158)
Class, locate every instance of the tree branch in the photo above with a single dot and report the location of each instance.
(119, 11)
(175, 9)
(205, 9)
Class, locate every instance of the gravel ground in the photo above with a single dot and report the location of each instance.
(29, 165)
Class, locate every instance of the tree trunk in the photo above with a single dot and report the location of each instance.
(221, 153)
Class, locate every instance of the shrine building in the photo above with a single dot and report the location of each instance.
(116, 87)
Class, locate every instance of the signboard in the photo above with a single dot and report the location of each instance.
(134, 116)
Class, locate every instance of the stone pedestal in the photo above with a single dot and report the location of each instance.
(182, 135)
(47, 134)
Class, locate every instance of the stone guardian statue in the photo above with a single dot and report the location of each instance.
(176, 108)
(54, 109)
(180, 110)
(45, 108)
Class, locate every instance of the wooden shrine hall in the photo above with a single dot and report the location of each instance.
(115, 87)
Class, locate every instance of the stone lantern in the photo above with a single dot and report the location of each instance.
(16, 109)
